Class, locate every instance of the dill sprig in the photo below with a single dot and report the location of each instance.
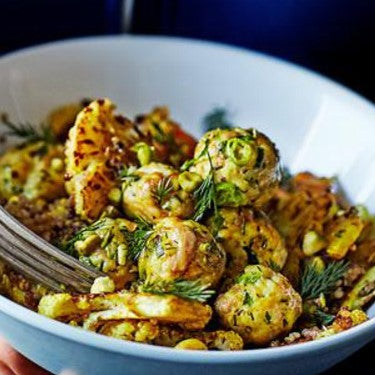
(314, 282)
(323, 318)
(192, 290)
(217, 118)
(68, 246)
(127, 173)
(27, 131)
(138, 238)
(163, 188)
(205, 195)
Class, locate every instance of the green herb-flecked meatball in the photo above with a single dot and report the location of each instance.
(247, 236)
(181, 250)
(261, 306)
(153, 192)
(245, 164)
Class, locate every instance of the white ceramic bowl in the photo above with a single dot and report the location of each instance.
(317, 125)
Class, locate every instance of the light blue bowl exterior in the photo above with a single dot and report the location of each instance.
(56, 346)
(54, 353)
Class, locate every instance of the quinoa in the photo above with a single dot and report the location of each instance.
(54, 221)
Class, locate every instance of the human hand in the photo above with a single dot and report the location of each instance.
(13, 363)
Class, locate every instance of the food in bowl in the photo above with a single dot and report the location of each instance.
(206, 245)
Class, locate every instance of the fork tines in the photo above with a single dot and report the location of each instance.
(39, 260)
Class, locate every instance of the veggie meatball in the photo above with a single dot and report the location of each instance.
(248, 236)
(245, 165)
(153, 192)
(261, 305)
(181, 250)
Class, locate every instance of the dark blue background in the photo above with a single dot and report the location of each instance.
(334, 37)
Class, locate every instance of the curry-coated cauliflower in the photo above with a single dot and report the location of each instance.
(261, 306)
(35, 170)
(99, 144)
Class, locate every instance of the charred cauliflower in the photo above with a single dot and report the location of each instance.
(99, 144)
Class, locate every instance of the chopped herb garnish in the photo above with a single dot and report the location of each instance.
(163, 188)
(267, 317)
(205, 195)
(249, 278)
(314, 282)
(248, 300)
(27, 131)
(321, 317)
(68, 247)
(138, 238)
(192, 290)
(260, 158)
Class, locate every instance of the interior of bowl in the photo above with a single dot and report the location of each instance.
(317, 125)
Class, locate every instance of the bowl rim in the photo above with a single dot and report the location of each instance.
(147, 351)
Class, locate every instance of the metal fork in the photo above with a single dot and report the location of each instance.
(37, 259)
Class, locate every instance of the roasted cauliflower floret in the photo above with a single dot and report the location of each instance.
(62, 118)
(363, 292)
(170, 144)
(132, 330)
(342, 233)
(313, 219)
(35, 170)
(99, 144)
(261, 306)
(217, 340)
(153, 192)
(248, 236)
(125, 305)
(104, 245)
(181, 250)
(15, 167)
(46, 178)
(19, 289)
(245, 165)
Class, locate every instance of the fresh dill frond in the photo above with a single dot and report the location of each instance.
(314, 282)
(68, 246)
(205, 195)
(217, 118)
(163, 188)
(138, 238)
(192, 290)
(27, 131)
(322, 318)
(127, 173)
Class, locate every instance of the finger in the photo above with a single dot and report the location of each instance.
(17, 362)
(5, 370)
